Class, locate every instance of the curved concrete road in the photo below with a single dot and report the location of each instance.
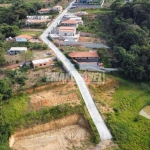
(95, 115)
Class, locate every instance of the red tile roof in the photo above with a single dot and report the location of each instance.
(28, 37)
(70, 22)
(83, 54)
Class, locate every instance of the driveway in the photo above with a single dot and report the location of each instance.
(94, 113)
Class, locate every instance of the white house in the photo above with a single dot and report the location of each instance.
(58, 8)
(37, 20)
(16, 50)
(67, 31)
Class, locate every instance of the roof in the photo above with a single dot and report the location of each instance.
(18, 48)
(83, 54)
(28, 37)
(41, 61)
(70, 21)
(67, 29)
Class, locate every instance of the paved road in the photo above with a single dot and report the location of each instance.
(95, 115)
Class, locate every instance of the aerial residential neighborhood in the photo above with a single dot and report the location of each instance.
(75, 75)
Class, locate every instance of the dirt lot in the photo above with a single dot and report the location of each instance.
(37, 54)
(91, 39)
(35, 76)
(63, 94)
(67, 133)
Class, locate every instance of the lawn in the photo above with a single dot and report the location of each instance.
(130, 130)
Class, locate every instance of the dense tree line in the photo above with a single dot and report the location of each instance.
(18, 11)
(130, 27)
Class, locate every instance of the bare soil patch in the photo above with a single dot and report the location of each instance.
(37, 54)
(62, 134)
(92, 40)
(63, 94)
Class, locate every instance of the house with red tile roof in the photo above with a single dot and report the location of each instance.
(66, 31)
(69, 23)
(23, 38)
(85, 60)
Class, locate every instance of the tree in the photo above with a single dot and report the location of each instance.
(2, 57)
(26, 55)
(22, 13)
(5, 89)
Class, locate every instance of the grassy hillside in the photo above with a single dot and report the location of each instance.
(130, 130)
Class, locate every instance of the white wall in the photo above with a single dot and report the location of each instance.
(63, 33)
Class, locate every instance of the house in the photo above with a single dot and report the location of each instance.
(66, 31)
(85, 60)
(57, 8)
(37, 20)
(77, 19)
(16, 50)
(72, 17)
(43, 11)
(23, 38)
(69, 23)
(69, 16)
(42, 63)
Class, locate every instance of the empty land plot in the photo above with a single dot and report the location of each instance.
(67, 93)
(62, 134)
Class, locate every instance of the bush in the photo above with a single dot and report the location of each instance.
(59, 63)
(17, 61)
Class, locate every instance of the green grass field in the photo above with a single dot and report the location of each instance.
(130, 130)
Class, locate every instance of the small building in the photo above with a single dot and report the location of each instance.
(85, 60)
(37, 20)
(16, 50)
(69, 23)
(23, 38)
(30, 22)
(58, 8)
(77, 19)
(42, 63)
(67, 31)
(43, 11)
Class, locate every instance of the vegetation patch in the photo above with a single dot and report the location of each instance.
(129, 129)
